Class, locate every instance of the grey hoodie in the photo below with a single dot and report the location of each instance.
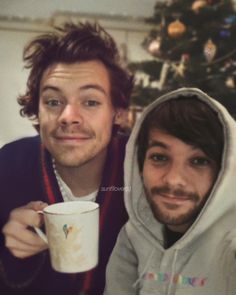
(203, 261)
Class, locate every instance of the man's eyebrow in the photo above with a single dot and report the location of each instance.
(82, 88)
(156, 143)
(50, 87)
(93, 86)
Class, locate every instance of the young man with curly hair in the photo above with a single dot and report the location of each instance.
(76, 91)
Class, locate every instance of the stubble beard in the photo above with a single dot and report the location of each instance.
(75, 157)
(72, 156)
(168, 219)
(164, 216)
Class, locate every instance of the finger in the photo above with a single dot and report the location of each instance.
(26, 217)
(14, 244)
(18, 232)
(23, 254)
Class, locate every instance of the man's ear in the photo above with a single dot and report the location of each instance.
(120, 116)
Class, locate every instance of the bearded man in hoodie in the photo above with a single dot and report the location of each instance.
(180, 237)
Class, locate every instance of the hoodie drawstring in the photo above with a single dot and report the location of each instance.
(172, 271)
(144, 269)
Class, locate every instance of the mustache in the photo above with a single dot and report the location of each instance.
(73, 130)
(175, 192)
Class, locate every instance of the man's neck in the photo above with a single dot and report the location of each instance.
(84, 179)
(171, 237)
(179, 228)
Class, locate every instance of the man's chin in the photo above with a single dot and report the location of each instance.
(71, 162)
(174, 218)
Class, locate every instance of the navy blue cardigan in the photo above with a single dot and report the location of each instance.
(26, 174)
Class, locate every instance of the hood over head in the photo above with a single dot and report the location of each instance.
(222, 199)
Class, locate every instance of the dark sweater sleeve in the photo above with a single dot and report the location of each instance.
(19, 273)
(18, 186)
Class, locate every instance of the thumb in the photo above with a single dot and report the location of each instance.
(37, 206)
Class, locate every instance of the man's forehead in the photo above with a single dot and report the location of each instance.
(70, 70)
(161, 138)
(81, 75)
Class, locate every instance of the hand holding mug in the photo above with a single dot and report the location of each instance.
(21, 241)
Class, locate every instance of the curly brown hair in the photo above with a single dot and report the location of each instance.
(69, 44)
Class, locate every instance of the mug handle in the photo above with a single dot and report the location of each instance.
(39, 231)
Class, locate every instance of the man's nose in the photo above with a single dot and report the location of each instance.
(71, 114)
(176, 175)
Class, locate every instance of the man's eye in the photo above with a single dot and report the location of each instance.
(200, 161)
(53, 102)
(92, 103)
(158, 158)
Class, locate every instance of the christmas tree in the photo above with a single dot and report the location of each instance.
(193, 45)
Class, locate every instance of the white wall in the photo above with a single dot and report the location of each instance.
(13, 80)
(15, 34)
(45, 8)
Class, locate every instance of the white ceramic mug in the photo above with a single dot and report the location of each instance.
(72, 233)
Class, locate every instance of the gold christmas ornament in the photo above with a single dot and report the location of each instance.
(198, 5)
(154, 47)
(176, 29)
(209, 50)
